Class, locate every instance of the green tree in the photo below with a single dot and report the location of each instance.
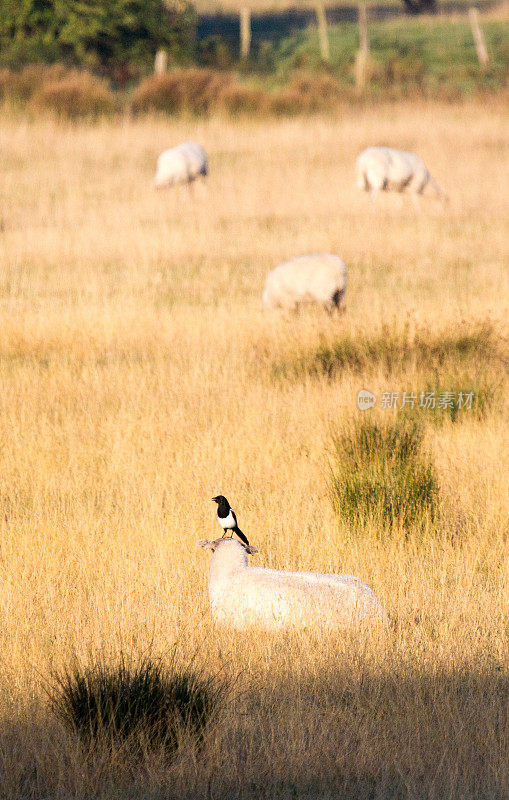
(118, 38)
(28, 31)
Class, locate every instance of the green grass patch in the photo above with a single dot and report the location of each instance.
(380, 473)
(454, 399)
(394, 352)
(430, 56)
(146, 704)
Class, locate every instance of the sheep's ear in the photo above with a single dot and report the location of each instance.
(205, 544)
(251, 550)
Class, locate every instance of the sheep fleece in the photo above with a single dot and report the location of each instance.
(317, 278)
(181, 164)
(241, 596)
(386, 169)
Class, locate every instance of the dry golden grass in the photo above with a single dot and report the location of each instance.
(137, 382)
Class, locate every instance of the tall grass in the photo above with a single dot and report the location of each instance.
(136, 383)
(394, 350)
(75, 96)
(381, 474)
(145, 702)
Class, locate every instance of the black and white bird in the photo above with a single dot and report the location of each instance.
(226, 517)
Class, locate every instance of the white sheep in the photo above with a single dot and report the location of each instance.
(382, 169)
(316, 278)
(181, 164)
(241, 596)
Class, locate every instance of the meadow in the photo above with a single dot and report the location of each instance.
(139, 378)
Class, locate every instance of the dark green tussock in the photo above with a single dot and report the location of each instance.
(380, 472)
(471, 400)
(145, 702)
(394, 352)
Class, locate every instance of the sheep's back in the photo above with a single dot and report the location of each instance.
(390, 169)
(171, 167)
(181, 164)
(310, 278)
(272, 599)
(196, 158)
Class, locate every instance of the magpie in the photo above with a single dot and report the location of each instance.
(226, 517)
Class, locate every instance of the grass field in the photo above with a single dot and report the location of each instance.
(416, 53)
(429, 53)
(139, 378)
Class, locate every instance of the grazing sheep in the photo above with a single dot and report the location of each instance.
(317, 278)
(241, 595)
(382, 169)
(181, 164)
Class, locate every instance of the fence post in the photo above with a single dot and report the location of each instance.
(323, 36)
(363, 27)
(480, 44)
(161, 62)
(245, 31)
(362, 55)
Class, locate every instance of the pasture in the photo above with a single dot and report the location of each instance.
(139, 378)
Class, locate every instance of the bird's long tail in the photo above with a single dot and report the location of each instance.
(241, 535)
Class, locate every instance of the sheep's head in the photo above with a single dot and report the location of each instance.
(215, 543)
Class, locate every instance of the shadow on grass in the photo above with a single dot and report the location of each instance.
(353, 730)
(362, 733)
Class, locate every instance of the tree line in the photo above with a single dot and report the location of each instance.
(117, 38)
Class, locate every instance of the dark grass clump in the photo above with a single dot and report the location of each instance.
(394, 351)
(192, 91)
(20, 86)
(77, 95)
(380, 472)
(144, 703)
(456, 400)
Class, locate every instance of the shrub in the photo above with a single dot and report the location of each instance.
(286, 102)
(306, 93)
(21, 86)
(381, 473)
(191, 90)
(5, 82)
(79, 94)
(144, 703)
(238, 98)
